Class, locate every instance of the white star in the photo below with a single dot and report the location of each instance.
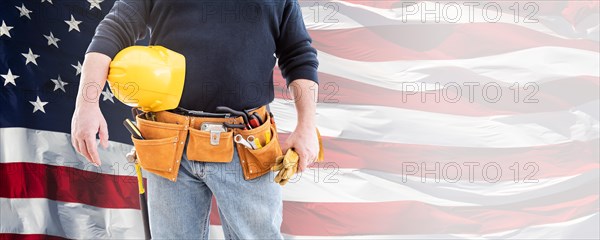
(38, 105)
(73, 24)
(24, 11)
(4, 30)
(52, 40)
(9, 77)
(95, 4)
(107, 95)
(50, 1)
(77, 68)
(30, 57)
(59, 84)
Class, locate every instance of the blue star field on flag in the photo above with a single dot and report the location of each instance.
(42, 48)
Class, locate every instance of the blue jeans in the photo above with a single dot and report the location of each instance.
(180, 210)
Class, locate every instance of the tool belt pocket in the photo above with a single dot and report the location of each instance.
(162, 147)
(257, 162)
(210, 146)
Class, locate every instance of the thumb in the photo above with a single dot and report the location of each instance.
(103, 134)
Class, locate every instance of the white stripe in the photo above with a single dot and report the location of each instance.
(580, 228)
(216, 232)
(55, 149)
(326, 17)
(69, 220)
(352, 185)
(537, 65)
(394, 125)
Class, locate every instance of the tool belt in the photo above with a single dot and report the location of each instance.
(165, 135)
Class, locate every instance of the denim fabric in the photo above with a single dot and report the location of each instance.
(180, 210)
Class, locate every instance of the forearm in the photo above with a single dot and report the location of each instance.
(92, 81)
(305, 93)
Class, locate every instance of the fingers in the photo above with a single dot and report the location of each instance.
(278, 164)
(74, 142)
(82, 149)
(306, 158)
(92, 150)
(85, 124)
(103, 134)
(87, 148)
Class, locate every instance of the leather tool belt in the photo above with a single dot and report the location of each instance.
(166, 134)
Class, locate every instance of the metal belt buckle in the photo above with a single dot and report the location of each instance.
(215, 130)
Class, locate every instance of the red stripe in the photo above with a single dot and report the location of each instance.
(558, 160)
(16, 236)
(31, 180)
(550, 96)
(436, 42)
(412, 217)
(325, 219)
(577, 11)
(215, 219)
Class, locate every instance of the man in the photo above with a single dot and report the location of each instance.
(230, 49)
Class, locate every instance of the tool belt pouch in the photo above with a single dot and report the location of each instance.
(257, 162)
(162, 147)
(210, 146)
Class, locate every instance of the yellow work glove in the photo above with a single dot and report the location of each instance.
(287, 166)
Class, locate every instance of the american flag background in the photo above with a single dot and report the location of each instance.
(464, 119)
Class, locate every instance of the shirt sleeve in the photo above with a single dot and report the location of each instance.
(121, 28)
(297, 58)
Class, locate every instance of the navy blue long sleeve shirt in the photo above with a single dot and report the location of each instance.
(230, 47)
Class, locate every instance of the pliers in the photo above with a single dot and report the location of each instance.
(235, 113)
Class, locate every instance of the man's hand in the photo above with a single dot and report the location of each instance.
(86, 123)
(304, 138)
(88, 119)
(305, 142)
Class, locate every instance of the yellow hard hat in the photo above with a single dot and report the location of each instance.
(148, 77)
